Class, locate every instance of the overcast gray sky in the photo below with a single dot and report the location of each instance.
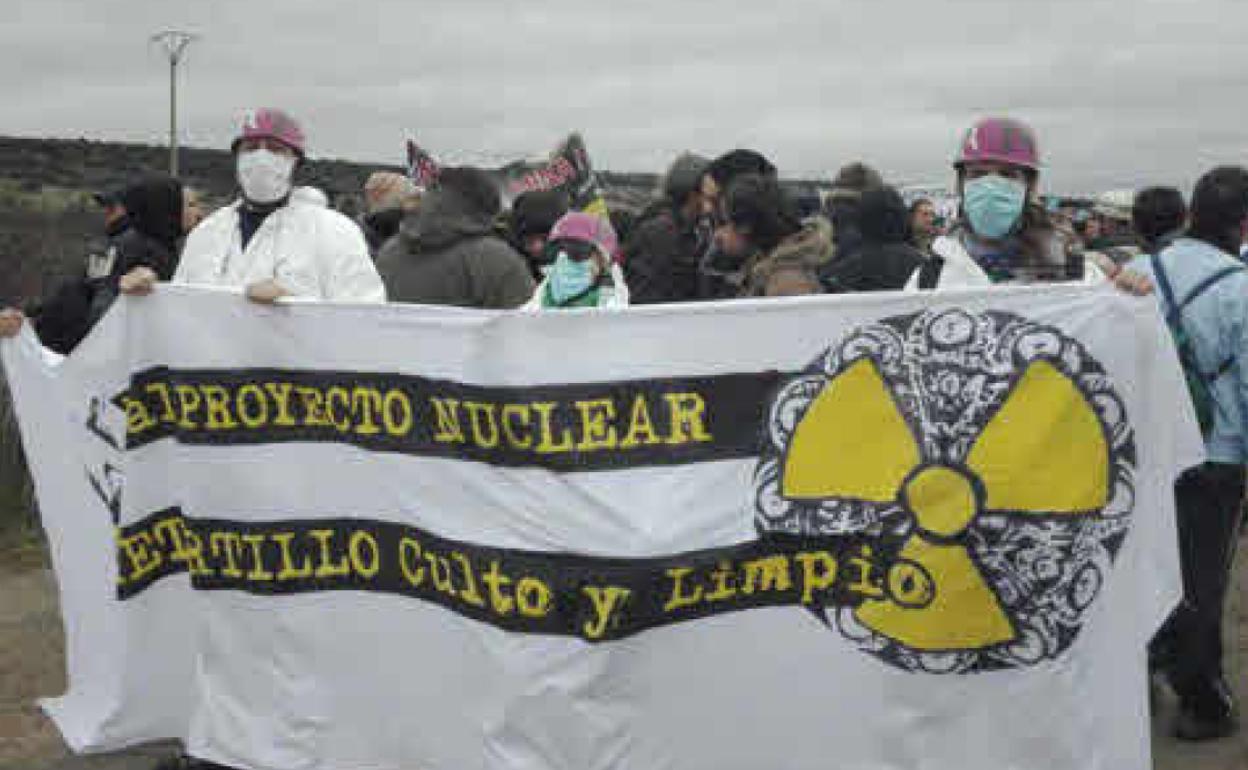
(1121, 92)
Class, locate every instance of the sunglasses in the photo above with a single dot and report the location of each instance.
(577, 251)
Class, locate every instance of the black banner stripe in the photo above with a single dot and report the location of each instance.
(574, 427)
(591, 597)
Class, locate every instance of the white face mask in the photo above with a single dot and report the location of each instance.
(265, 175)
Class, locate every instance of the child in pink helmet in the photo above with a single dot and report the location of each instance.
(583, 266)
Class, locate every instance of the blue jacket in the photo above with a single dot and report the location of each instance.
(1217, 325)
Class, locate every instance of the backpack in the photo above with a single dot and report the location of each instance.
(1199, 383)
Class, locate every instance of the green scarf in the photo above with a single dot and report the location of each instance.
(588, 299)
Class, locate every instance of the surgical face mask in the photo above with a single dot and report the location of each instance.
(993, 204)
(570, 278)
(265, 175)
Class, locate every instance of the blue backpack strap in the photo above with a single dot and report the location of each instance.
(1167, 293)
(1208, 283)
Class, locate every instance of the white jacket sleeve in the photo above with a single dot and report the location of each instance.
(347, 271)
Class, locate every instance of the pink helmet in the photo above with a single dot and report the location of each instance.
(268, 123)
(1003, 140)
(590, 228)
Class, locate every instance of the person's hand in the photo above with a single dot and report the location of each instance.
(10, 322)
(1133, 283)
(138, 282)
(266, 292)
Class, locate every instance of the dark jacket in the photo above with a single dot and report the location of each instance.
(446, 253)
(149, 236)
(379, 227)
(884, 259)
(661, 257)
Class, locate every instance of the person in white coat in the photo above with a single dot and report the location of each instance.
(270, 242)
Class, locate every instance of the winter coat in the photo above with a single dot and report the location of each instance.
(1216, 323)
(883, 261)
(311, 251)
(954, 268)
(793, 266)
(147, 237)
(381, 226)
(447, 253)
(661, 257)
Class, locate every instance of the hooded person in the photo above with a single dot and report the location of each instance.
(529, 223)
(885, 260)
(385, 195)
(447, 251)
(146, 235)
(843, 205)
(271, 242)
(661, 256)
(584, 266)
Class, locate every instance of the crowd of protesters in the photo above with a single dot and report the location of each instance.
(723, 228)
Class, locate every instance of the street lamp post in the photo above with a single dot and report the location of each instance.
(174, 43)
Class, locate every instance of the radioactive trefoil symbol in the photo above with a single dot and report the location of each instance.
(1044, 453)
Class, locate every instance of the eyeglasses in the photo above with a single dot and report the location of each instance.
(577, 251)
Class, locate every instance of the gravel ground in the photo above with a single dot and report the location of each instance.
(31, 665)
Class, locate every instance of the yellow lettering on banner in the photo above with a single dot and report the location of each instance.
(770, 573)
(161, 390)
(725, 587)
(227, 545)
(640, 426)
(679, 598)
(485, 437)
(188, 404)
(469, 593)
(217, 403)
(547, 444)
(496, 581)
(606, 601)
(143, 559)
(365, 404)
(441, 577)
(818, 573)
(138, 418)
(863, 585)
(256, 413)
(327, 568)
(523, 418)
(365, 561)
(409, 561)
(313, 407)
(397, 413)
(597, 432)
(338, 407)
(533, 597)
(258, 572)
(187, 548)
(446, 411)
(280, 391)
(288, 570)
(688, 414)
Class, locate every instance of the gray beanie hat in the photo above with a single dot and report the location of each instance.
(683, 176)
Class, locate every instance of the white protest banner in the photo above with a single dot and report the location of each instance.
(865, 531)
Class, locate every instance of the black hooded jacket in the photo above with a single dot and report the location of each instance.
(447, 253)
(149, 236)
(884, 260)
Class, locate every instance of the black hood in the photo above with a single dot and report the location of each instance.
(443, 219)
(882, 216)
(154, 208)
